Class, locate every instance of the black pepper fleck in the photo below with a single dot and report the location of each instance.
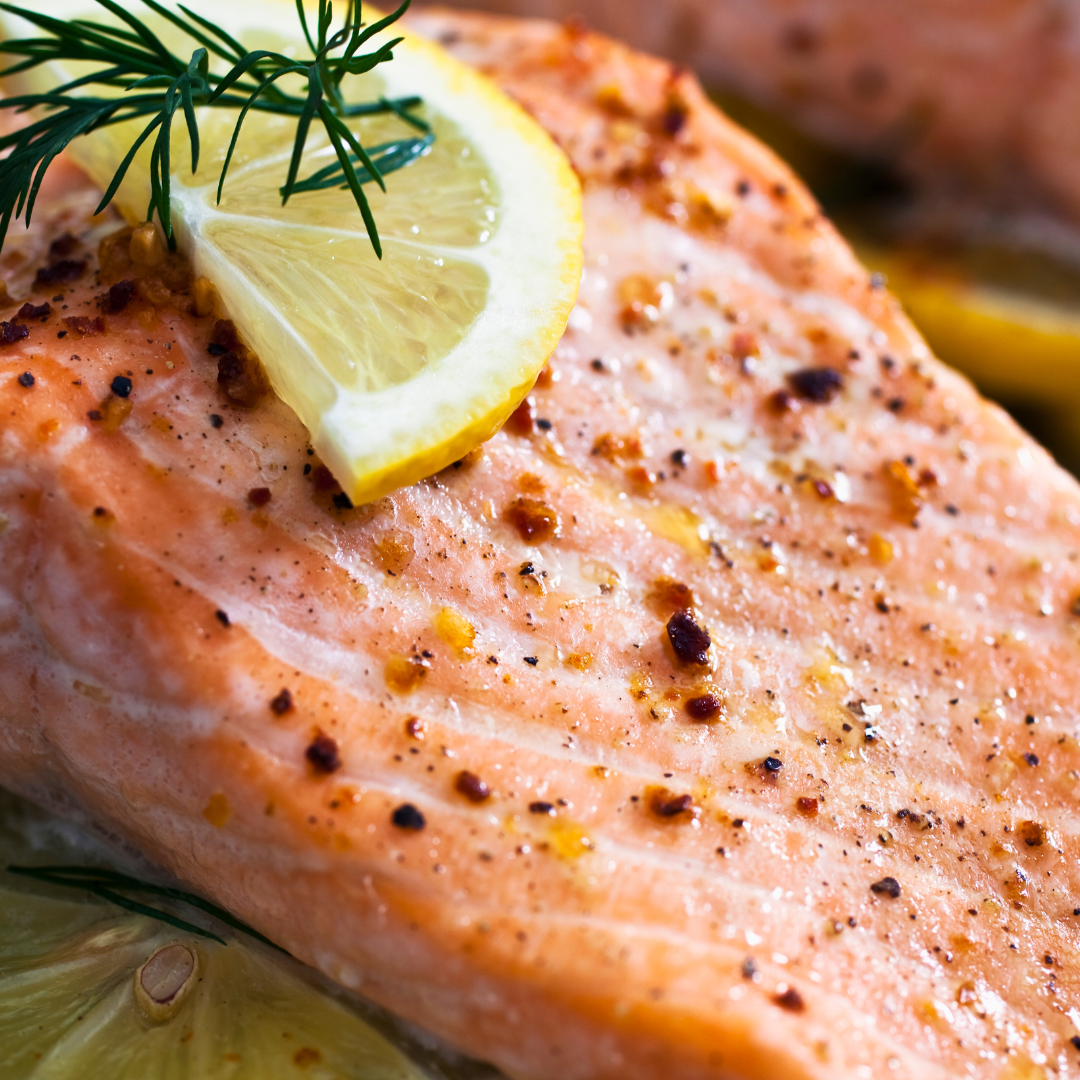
(216, 421)
(406, 816)
(323, 754)
(223, 619)
(540, 807)
(121, 386)
(283, 703)
(26, 379)
(819, 385)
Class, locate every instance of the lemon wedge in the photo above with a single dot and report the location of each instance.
(1015, 345)
(89, 991)
(396, 367)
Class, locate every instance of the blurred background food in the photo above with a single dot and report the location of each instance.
(940, 137)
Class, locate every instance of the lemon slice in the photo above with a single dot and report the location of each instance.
(91, 992)
(397, 367)
(1015, 344)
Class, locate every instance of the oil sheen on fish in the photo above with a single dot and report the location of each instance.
(715, 720)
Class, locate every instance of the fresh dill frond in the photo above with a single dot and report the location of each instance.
(112, 886)
(142, 78)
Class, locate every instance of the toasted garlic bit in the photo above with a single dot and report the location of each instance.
(163, 982)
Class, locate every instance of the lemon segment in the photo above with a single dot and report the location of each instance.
(1015, 346)
(72, 968)
(397, 367)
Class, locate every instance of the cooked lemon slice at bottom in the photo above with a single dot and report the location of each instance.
(76, 973)
(397, 367)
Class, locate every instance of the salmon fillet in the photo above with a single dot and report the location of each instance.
(715, 720)
(973, 99)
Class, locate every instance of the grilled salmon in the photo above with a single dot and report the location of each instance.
(713, 720)
(974, 100)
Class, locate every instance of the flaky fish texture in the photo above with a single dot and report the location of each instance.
(717, 719)
(973, 98)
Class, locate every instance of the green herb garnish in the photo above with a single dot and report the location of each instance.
(111, 886)
(144, 78)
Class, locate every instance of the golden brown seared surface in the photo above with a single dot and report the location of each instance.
(469, 749)
(975, 98)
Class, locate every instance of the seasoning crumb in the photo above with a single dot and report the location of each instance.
(704, 707)
(887, 886)
(26, 379)
(283, 703)
(406, 816)
(323, 754)
(259, 496)
(471, 786)
(806, 804)
(11, 332)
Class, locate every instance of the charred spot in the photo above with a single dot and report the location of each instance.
(34, 311)
(63, 246)
(259, 496)
(118, 297)
(11, 332)
(283, 703)
(806, 804)
(666, 804)
(121, 386)
(26, 379)
(407, 817)
(323, 754)
(471, 786)
(887, 886)
(541, 807)
(819, 385)
(342, 501)
(62, 271)
(704, 707)
(535, 520)
(791, 1000)
(689, 641)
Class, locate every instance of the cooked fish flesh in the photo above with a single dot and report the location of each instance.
(975, 100)
(714, 720)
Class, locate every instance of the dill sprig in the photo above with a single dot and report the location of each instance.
(111, 885)
(142, 78)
